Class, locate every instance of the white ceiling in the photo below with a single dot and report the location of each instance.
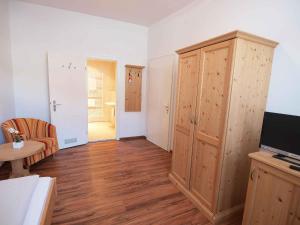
(143, 12)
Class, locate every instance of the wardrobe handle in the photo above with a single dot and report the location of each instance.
(252, 174)
(191, 119)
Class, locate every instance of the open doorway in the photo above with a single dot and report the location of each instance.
(101, 99)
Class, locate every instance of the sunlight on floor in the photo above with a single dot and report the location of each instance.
(101, 131)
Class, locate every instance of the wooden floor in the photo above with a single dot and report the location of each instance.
(116, 182)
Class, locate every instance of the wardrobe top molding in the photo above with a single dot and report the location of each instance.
(229, 36)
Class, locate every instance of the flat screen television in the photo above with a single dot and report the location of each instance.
(281, 134)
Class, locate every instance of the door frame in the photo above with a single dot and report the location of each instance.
(117, 111)
(173, 100)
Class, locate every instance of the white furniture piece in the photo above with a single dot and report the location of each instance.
(27, 200)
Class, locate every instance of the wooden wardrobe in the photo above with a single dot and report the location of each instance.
(222, 89)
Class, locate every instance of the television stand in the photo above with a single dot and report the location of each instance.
(287, 159)
(273, 194)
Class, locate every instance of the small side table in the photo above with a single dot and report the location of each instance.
(16, 156)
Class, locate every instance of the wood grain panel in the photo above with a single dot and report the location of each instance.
(273, 192)
(203, 177)
(252, 70)
(133, 88)
(182, 147)
(215, 76)
(187, 89)
(215, 66)
(46, 217)
(230, 36)
(185, 113)
(294, 210)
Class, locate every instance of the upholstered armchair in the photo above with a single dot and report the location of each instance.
(36, 130)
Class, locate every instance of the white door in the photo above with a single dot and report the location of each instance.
(68, 99)
(160, 72)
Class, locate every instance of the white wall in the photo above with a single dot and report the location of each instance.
(37, 29)
(278, 20)
(6, 78)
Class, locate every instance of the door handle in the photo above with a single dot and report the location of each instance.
(193, 120)
(55, 105)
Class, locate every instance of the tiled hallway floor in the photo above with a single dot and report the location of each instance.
(101, 131)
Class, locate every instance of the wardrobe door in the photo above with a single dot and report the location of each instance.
(185, 112)
(214, 80)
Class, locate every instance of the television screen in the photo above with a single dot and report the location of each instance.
(282, 133)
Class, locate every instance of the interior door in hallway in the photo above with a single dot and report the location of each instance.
(68, 99)
(160, 73)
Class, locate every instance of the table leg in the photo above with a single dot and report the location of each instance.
(18, 169)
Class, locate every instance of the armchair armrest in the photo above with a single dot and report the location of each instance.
(51, 131)
(52, 134)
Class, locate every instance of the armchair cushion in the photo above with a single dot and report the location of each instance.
(50, 144)
(36, 130)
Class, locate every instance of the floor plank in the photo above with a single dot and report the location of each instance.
(116, 182)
